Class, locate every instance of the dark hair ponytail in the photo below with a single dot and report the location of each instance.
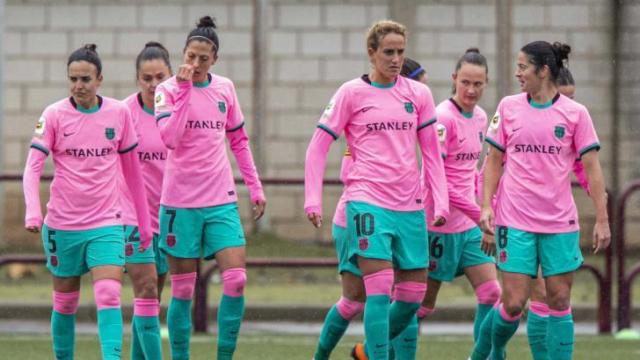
(541, 53)
(205, 31)
(153, 50)
(89, 54)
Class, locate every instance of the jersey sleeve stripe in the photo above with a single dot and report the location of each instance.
(586, 149)
(429, 122)
(329, 131)
(236, 128)
(163, 115)
(494, 144)
(40, 147)
(126, 150)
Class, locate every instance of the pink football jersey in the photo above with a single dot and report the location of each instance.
(152, 154)
(381, 126)
(541, 143)
(194, 120)
(85, 145)
(461, 137)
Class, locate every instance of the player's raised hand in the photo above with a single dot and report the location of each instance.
(601, 236)
(185, 73)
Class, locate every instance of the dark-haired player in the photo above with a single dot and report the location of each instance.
(196, 111)
(540, 134)
(88, 136)
(148, 269)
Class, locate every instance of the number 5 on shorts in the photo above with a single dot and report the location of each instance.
(51, 241)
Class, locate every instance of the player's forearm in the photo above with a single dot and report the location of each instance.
(239, 143)
(133, 178)
(434, 176)
(31, 187)
(464, 204)
(596, 185)
(314, 167)
(172, 127)
(491, 176)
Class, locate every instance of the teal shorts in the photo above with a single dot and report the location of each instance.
(522, 252)
(450, 254)
(341, 241)
(150, 256)
(399, 237)
(74, 252)
(192, 233)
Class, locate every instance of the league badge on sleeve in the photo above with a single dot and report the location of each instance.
(494, 123)
(329, 109)
(442, 132)
(160, 99)
(40, 126)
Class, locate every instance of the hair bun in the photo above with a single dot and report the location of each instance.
(472, 50)
(91, 47)
(206, 21)
(153, 44)
(562, 51)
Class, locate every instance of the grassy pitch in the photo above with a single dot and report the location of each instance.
(267, 347)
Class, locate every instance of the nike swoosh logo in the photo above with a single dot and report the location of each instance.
(461, 140)
(68, 134)
(565, 344)
(366, 108)
(378, 346)
(516, 129)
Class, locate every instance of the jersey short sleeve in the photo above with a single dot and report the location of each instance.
(163, 101)
(129, 139)
(426, 108)
(496, 134)
(235, 118)
(337, 113)
(44, 134)
(585, 138)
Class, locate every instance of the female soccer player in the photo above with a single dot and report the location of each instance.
(87, 135)
(540, 133)
(146, 269)
(538, 313)
(384, 117)
(199, 217)
(455, 247)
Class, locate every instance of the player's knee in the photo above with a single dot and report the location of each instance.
(379, 283)
(410, 291)
(234, 281)
(107, 293)
(513, 307)
(146, 287)
(488, 292)
(349, 309)
(183, 285)
(559, 301)
(66, 303)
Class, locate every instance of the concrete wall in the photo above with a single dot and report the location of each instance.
(314, 46)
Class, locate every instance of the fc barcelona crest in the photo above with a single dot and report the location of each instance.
(110, 133)
(222, 107)
(559, 132)
(408, 107)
